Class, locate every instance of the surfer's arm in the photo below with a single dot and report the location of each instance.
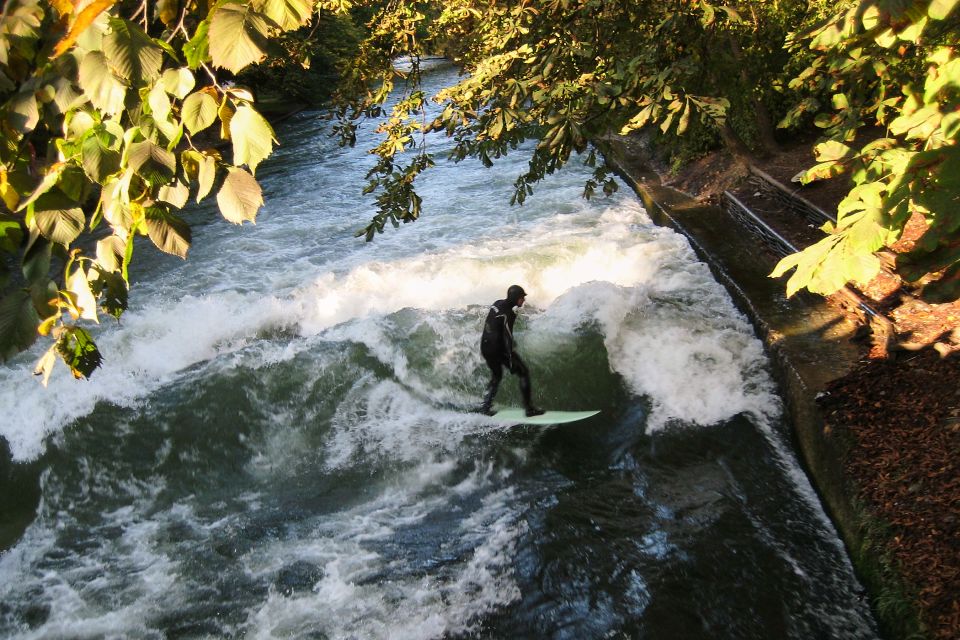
(507, 342)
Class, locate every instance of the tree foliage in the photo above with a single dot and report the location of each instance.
(568, 73)
(109, 114)
(893, 66)
(116, 114)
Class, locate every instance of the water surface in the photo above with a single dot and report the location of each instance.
(275, 446)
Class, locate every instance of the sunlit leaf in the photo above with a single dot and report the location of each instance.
(130, 51)
(159, 102)
(287, 14)
(59, 219)
(831, 150)
(44, 366)
(84, 19)
(105, 91)
(170, 233)
(176, 194)
(23, 114)
(86, 304)
(178, 82)
(154, 163)
(110, 252)
(199, 111)
(940, 9)
(207, 173)
(238, 36)
(240, 197)
(252, 138)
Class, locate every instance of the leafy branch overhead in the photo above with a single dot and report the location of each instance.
(116, 115)
(895, 68)
(696, 73)
(109, 125)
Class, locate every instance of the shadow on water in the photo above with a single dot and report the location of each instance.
(688, 533)
(19, 495)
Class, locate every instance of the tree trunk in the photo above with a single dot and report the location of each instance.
(734, 144)
(761, 116)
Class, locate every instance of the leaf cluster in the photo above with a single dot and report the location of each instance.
(565, 73)
(894, 67)
(114, 115)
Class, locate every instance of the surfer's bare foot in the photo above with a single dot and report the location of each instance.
(534, 411)
(487, 411)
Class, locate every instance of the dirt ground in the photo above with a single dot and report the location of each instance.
(901, 407)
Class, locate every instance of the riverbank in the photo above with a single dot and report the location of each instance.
(878, 436)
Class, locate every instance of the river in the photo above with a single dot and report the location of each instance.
(275, 445)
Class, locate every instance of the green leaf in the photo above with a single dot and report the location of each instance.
(59, 219)
(176, 194)
(98, 161)
(105, 91)
(36, 259)
(199, 111)
(240, 196)
(11, 233)
(79, 351)
(252, 138)
(23, 113)
(153, 163)
(831, 150)
(110, 252)
(178, 82)
(130, 51)
(940, 9)
(287, 14)
(197, 51)
(206, 176)
(18, 323)
(111, 290)
(238, 36)
(169, 232)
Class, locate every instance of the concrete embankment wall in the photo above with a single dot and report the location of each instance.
(808, 341)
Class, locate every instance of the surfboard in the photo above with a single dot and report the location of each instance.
(514, 415)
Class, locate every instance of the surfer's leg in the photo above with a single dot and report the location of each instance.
(496, 375)
(526, 391)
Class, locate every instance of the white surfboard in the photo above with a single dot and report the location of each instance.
(519, 416)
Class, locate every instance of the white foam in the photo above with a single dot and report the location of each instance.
(351, 600)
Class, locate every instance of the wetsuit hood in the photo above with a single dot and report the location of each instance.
(514, 293)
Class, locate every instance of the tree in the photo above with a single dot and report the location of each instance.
(568, 73)
(894, 66)
(112, 116)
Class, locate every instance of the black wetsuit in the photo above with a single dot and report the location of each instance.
(497, 348)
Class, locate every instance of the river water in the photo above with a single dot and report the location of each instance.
(273, 447)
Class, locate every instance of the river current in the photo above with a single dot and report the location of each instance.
(276, 445)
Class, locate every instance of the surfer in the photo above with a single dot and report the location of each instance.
(497, 348)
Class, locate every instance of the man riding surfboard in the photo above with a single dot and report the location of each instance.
(497, 348)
